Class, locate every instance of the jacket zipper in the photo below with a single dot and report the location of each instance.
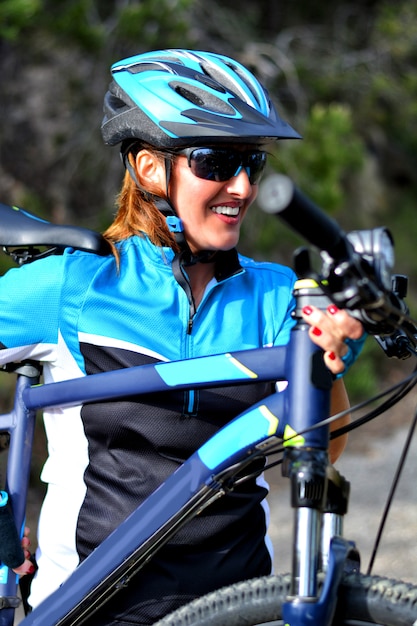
(190, 397)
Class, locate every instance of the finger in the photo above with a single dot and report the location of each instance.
(352, 327)
(323, 326)
(331, 341)
(333, 347)
(339, 324)
(312, 315)
(333, 362)
(27, 567)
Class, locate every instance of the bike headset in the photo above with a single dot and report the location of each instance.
(173, 99)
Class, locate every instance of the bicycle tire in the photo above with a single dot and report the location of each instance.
(362, 600)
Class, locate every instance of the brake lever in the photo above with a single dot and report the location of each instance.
(398, 345)
(355, 285)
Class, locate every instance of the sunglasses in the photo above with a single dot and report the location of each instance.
(221, 164)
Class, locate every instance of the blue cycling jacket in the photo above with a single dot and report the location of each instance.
(81, 314)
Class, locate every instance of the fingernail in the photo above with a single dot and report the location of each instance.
(332, 309)
(316, 331)
(307, 310)
(332, 356)
(31, 569)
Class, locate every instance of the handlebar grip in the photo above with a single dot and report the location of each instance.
(279, 196)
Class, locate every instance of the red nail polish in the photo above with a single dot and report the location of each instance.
(316, 331)
(332, 356)
(332, 309)
(307, 310)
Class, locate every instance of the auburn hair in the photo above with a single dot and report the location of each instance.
(137, 213)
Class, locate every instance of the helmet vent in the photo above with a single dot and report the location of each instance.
(155, 66)
(244, 79)
(232, 85)
(203, 99)
(189, 95)
(114, 102)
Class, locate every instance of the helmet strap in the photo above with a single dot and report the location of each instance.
(173, 221)
(124, 155)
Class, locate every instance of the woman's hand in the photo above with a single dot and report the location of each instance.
(329, 329)
(27, 566)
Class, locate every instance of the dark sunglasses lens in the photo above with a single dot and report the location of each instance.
(221, 165)
(255, 165)
(211, 164)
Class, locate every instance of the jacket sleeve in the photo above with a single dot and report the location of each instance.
(29, 310)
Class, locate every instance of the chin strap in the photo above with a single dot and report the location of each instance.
(164, 206)
(175, 225)
(185, 256)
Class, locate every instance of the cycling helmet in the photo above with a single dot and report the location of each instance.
(175, 98)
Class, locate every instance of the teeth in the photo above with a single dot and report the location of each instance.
(226, 210)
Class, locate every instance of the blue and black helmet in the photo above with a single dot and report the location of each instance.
(175, 98)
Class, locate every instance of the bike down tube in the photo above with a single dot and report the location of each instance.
(20, 424)
(192, 487)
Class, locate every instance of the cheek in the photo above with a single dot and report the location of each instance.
(183, 188)
(189, 203)
(190, 195)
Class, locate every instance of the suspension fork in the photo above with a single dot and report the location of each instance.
(320, 501)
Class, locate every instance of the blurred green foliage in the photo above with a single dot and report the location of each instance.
(90, 23)
(331, 151)
(16, 15)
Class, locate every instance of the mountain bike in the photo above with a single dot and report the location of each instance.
(325, 585)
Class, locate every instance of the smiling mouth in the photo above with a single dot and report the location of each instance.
(226, 210)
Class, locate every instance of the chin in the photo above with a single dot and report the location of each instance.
(230, 245)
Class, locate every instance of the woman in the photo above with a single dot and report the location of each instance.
(192, 127)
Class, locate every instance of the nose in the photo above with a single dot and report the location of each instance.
(239, 184)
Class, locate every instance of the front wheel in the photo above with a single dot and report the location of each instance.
(362, 600)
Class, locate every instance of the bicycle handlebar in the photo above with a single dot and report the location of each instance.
(356, 267)
(279, 196)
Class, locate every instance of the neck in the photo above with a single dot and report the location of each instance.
(200, 275)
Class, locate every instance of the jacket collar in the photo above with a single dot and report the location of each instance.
(227, 262)
(227, 265)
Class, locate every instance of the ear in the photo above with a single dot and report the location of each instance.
(150, 171)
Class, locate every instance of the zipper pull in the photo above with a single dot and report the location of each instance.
(190, 326)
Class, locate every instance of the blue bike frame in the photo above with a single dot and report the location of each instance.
(288, 415)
